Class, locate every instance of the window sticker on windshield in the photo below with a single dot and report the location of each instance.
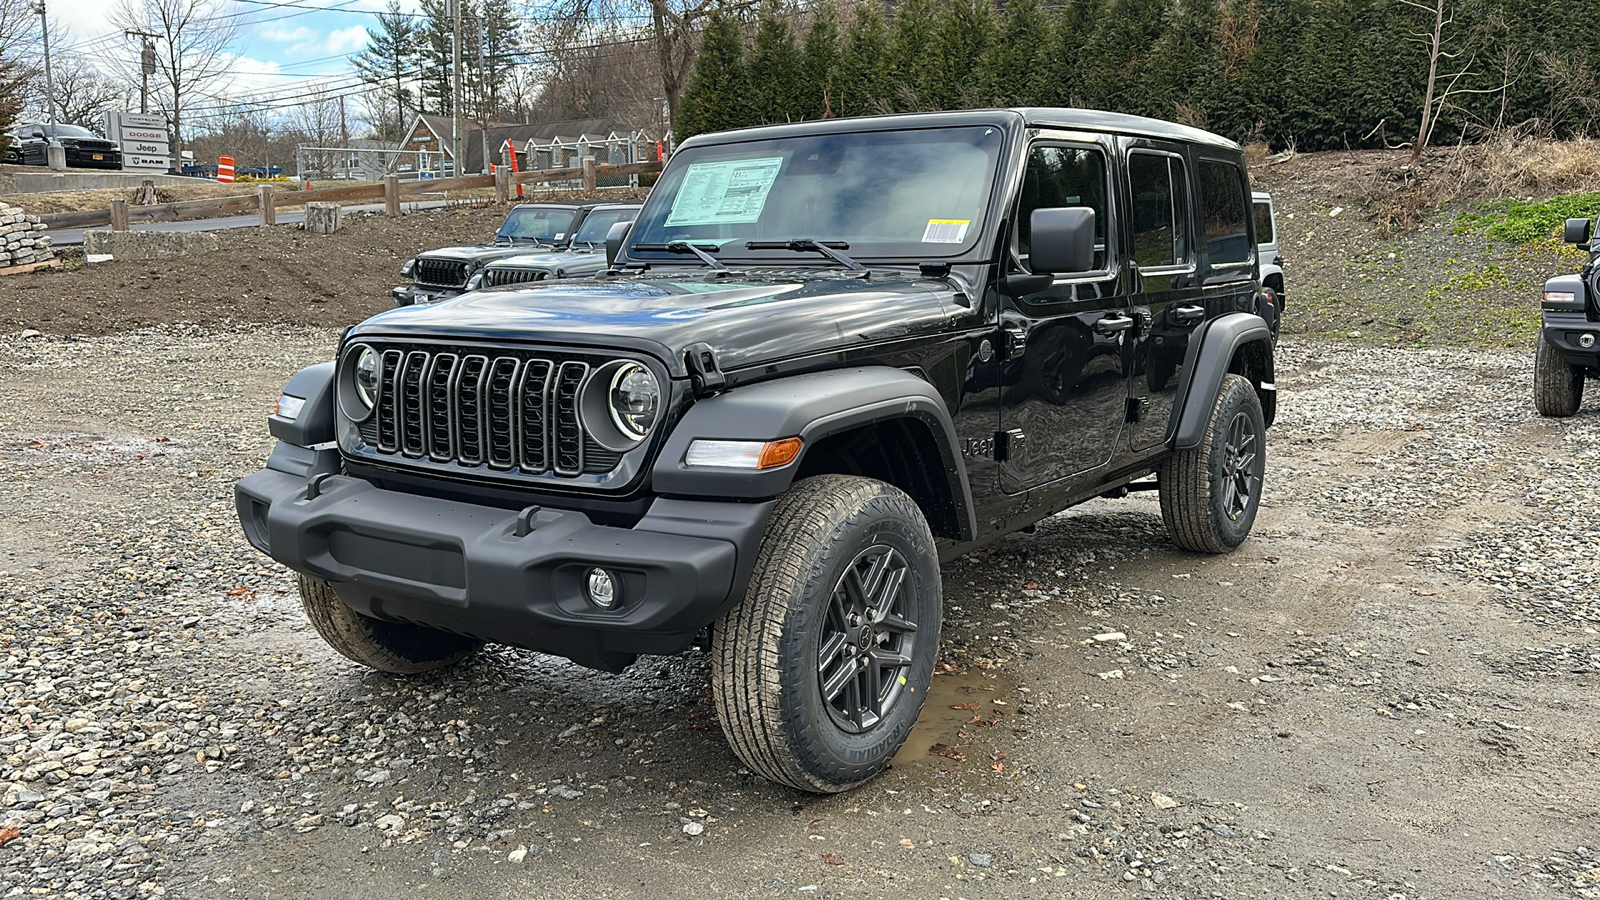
(945, 231)
(724, 193)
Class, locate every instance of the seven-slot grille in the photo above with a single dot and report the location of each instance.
(494, 277)
(440, 272)
(511, 412)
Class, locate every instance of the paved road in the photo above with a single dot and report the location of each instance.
(74, 236)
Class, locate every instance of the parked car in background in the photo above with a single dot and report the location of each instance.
(85, 149)
(1271, 261)
(443, 273)
(1568, 350)
(585, 255)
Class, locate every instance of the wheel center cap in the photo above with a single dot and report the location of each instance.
(864, 637)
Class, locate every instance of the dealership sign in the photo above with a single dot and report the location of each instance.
(143, 138)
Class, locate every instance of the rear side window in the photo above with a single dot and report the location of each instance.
(1222, 201)
(1264, 233)
(1063, 176)
(1160, 210)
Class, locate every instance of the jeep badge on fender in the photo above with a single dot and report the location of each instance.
(827, 356)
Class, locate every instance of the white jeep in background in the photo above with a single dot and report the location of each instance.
(1271, 261)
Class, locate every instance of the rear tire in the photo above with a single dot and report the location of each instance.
(1557, 386)
(1210, 494)
(822, 669)
(393, 647)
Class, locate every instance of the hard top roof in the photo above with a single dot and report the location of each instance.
(1045, 117)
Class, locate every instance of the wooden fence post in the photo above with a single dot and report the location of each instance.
(502, 184)
(589, 179)
(323, 218)
(269, 212)
(119, 214)
(391, 195)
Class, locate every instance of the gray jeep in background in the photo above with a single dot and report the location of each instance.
(1568, 350)
(809, 378)
(584, 257)
(444, 272)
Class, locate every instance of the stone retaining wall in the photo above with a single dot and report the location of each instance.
(22, 238)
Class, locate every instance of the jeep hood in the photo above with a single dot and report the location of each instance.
(473, 254)
(554, 260)
(748, 320)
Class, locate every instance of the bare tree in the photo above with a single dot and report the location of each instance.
(82, 92)
(318, 125)
(192, 49)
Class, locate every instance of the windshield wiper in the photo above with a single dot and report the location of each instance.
(685, 247)
(830, 249)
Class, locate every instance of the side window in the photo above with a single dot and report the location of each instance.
(1222, 202)
(1063, 176)
(1160, 210)
(1264, 233)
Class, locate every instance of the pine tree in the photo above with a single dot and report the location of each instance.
(865, 83)
(913, 55)
(717, 95)
(434, 57)
(965, 30)
(820, 99)
(1014, 66)
(776, 68)
(386, 64)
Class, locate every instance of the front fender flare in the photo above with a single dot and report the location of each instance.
(1212, 348)
(811, 407)
(314, 424)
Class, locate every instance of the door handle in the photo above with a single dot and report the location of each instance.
(1188, 315)
(1015, 339)
(1113, 324)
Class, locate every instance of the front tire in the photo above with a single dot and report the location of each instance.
(393, 647)
(821, 670)
(1210, 494)
(1557, 385)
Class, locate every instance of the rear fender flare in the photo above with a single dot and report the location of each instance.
(1212, 349)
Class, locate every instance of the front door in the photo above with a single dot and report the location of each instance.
(1064, 379)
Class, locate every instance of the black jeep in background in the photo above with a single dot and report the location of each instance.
(829, 356)
(1569, 333)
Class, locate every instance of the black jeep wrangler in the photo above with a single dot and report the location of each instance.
(1569, 336)
(444, 272)
(828, 356)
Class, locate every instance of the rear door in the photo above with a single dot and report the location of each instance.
(1164, 273)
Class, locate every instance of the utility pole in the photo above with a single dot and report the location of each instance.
(49, 83)
(483, 108)
(147, 66)
(455, 87)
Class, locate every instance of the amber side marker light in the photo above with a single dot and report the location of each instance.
(742, 454)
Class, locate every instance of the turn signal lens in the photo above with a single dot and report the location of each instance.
(289, 406)
(779, 453)
(742, 454)
(1560, 297)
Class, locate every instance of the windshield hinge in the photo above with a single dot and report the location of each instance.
(704, 373)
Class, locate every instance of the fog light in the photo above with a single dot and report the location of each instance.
(601, 587)
(1586, 341)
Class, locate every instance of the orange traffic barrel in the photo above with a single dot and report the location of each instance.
(225, 169)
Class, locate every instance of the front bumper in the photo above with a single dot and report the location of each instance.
(85, 159)
(413, 295)
(1567, 332)
(476, 570)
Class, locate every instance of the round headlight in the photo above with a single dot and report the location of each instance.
(366, 377)
(635, 400)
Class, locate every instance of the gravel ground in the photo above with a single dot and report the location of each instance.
(1387, 692)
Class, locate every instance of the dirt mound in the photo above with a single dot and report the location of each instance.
(261, 275)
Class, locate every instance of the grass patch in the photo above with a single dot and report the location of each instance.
(1525, 222)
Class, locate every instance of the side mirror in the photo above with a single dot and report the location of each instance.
(1063, 240)
(614, 240)
(36, 133)
(1577, 231)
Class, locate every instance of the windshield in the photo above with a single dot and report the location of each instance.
(70, 131)
(599, 222)
(544, 224)
(916, 193)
